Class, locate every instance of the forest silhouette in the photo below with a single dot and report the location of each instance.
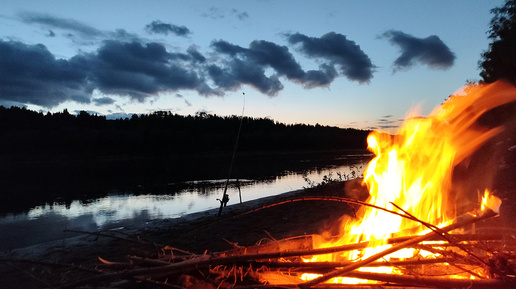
(162, 132)
(61, 156)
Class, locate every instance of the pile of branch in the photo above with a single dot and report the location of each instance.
(488, 260)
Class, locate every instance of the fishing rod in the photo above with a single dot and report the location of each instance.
(225, 196)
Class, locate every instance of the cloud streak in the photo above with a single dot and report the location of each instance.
(430, 51)
(52, 22)
(76, 31)
(221, 13)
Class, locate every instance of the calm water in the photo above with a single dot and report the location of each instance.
(46, 222)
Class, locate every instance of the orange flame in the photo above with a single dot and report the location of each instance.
(412, 171)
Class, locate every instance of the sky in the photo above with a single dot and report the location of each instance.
(358, 64)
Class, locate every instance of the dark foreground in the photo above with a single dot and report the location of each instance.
(240, 225)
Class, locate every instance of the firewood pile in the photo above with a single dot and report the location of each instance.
(458, 260)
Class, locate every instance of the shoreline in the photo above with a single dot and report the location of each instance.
(154, 225)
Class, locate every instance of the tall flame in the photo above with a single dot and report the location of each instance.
(412, 170)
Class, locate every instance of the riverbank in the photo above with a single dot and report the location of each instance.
(197, 233)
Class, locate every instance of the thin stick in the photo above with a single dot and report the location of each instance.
(147, 261)
(443, 235)
(325, 265)
(435, 282)
(487, 214)
(325, 198)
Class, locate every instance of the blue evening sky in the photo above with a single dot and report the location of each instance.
(361, 64)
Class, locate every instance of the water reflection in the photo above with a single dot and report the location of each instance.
(46, 223)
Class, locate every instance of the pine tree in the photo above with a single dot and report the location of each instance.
(499, 61)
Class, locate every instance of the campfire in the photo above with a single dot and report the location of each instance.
(412, 194)
(417, 228)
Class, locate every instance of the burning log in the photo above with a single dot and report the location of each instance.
(409, 242)
(434, 282)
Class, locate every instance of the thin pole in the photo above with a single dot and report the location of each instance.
(239, 191)
(225, 197)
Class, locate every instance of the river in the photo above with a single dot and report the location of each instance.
(46, 222)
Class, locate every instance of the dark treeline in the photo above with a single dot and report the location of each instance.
(29, 132)
(63, 157)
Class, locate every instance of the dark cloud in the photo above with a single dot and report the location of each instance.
(336, 50)
(159, 27)
(103, 101)
(239, 72)
(31, 74)
(242, 67)
(49, 21)
(248, 65)
(140, 70)
(225, 47)
(429, 51)
(196, 55)
(122, 35)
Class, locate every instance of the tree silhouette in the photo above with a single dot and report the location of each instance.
(499, 61)
(162, 133)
